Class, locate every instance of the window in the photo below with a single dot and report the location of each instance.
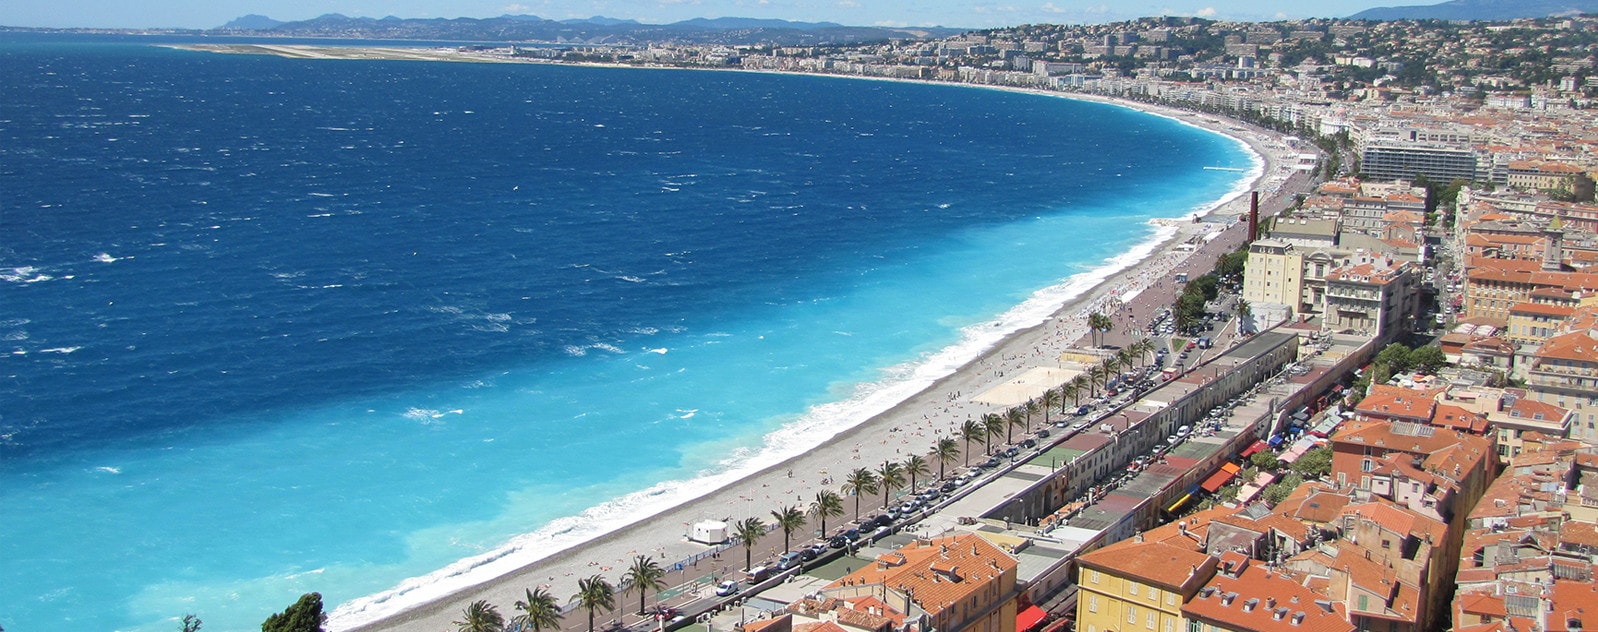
(1131, 587)
(1364, 602)
(1168, 625)
(1131, 615)
(1149, 618)
(1170, 599)
(1093, 603)
(1093, 576)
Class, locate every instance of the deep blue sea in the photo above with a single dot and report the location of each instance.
(270, 326)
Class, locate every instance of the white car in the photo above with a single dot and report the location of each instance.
(727, 588)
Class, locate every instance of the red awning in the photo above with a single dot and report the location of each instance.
(1025, 619)
(1256, 447)
(1217, 480)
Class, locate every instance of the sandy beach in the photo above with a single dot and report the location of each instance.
(1024, 362)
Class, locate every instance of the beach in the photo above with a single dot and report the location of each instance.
(1021, 363)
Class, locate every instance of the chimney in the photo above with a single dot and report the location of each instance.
(1254, 216)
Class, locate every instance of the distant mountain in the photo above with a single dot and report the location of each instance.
(1480, 10)
(251, 22)
(599, 19)
(595, 30)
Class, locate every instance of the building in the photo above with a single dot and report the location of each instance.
(1389, 160)
(1138, 585)
(1274, 274)
(962, 582)
(1372, 294)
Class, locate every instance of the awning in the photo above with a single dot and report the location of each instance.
(1217, 480)
(1255, 447)
(1275, 440)
(1179, 502)
(1025, 619)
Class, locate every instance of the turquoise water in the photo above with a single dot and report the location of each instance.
(273, 326)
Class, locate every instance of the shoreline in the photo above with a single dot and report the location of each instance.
(925, 413)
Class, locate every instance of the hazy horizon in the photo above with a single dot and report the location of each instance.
(201, 14)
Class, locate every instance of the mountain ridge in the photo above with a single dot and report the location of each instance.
(1480, 10)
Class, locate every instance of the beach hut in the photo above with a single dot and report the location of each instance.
(708, 532)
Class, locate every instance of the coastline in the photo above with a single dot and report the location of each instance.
(424, 603)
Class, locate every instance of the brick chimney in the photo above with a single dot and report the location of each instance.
(1254, 216)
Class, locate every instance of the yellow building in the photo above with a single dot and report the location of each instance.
(1133, 586)
(1274, 273)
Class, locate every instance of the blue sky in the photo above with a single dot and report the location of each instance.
(955, 13)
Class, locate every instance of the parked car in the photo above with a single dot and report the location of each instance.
(812, 552)
(727, 588)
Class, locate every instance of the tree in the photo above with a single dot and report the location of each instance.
(860, 482)
(481, 616)
(646, 575)
(191, 623)
(1013, 418)
(1427, 359)
(946, 451)
(992, 425)
(1265, 460)
(1275, 493)
(790, 519)
(1082, 383)
(539, 611)
(304, 616)
(1052, 398)
(970, 430)
(749, 531)
(916, 466)
(594, 593)
(1098, 322)
(828, 504)
(892, 477)
(1395, 357)
(1315, 463)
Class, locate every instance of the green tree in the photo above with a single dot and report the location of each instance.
(539, 611)
(1265, 460)
(971, 430)
(1099, 324)
(1014, 418)
(1316, 463)
(191, 623)
(1051, 399)
(891, 475)
(916, 466)
(1395, 357)
(304, 616)
(594, 594)
(1428, 359)
(790, 519)
(992, 425)
(945, 451)
(480, 616)
(749, 531)
(828, 504)
(860, 482)
(645, 575)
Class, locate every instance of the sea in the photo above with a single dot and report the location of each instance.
(271, 326)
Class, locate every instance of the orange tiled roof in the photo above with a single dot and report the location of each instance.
(1153, 563)
(940, 573)
(1578, 346)
(1264, 601)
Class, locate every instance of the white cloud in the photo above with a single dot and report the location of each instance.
(1206, 12)
(1048, 7)
(517, 8)
(1280, 16)
(849, 4)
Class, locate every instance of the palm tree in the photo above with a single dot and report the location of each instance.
(1244, 312)
(1143, 347)
(992, 425)
(1032, 409)
(971, 429)
(645, 575)
(749, 530)
(481, 616)
(594, 593)
(1052, 398)
(1072, 390)
(539, 612)
(1098, 322)
(1012, 418)
(860, 482)
(1095, 373)
(828, 504)
(915, 466)
(789, 520)
(1083, 382)
(892, 477)
(1125, 358)
(946, 451)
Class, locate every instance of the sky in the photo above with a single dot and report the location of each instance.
(951, 13)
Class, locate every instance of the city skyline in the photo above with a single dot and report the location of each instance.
(201, 14)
